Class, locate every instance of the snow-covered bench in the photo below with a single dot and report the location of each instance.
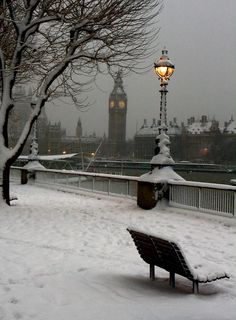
(168, 255)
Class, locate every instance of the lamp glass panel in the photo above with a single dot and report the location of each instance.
(161, 71)
(164, 72)
(170, 71)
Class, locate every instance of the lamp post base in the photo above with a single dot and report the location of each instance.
(153, 186)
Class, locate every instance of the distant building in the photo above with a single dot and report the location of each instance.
(199, 140)
(117, 119)
(202, 126)
(79, 131)
(52, 138)
(55, 135)
(230, 127)
(60, 143)
(144, 139)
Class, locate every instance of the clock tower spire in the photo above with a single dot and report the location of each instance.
(117, 117)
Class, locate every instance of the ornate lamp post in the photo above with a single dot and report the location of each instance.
(164, 69)
(153, 185)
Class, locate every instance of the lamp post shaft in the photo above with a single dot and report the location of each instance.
(163, 109)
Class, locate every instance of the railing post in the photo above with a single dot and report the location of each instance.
(109, 186)
(199, 197)
(127, 187)
(234, 209)
(93, 183)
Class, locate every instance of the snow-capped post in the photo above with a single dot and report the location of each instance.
(59, 47)
(153, 186)
(33, 163)
(34, 146)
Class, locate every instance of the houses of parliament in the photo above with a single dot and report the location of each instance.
(200, 139)
(52, 138)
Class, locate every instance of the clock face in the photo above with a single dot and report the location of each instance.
(112, 104)
(121, 104)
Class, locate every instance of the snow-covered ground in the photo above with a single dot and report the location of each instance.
(66, 256)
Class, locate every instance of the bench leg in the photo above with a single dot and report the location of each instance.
(172, 279)
(152, 272)
(195, 286)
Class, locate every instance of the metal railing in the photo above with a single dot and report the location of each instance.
(205, 197)
(94, 182)
(200, 196)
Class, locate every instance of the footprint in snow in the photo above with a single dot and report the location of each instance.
(188, 237)
(11, 281)
(14, 300)
(171, 226)
(18, 315)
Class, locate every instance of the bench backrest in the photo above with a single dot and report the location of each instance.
(144, 246)
(161, 252)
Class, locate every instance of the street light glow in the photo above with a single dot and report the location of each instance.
(164, 68)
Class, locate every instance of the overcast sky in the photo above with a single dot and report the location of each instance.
(200, 38)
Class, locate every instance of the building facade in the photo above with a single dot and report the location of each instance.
(61, 143)
(200, 140)
(144, 139)
(52, 138)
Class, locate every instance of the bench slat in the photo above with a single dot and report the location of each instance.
(174, 262)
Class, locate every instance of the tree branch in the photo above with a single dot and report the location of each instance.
(12, 14)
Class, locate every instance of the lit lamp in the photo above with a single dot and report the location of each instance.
(164, 69)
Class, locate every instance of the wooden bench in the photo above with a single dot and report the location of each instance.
(168, 255)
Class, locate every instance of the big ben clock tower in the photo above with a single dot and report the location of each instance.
(117, 118)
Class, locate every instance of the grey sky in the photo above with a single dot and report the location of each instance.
(200, 37)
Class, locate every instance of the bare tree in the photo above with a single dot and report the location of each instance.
(53, 43)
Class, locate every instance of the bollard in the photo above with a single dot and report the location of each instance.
(24, 176)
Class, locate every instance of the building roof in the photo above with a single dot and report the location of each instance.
(153, 130)
(198, 127)
(231, 127)
(202, 126)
